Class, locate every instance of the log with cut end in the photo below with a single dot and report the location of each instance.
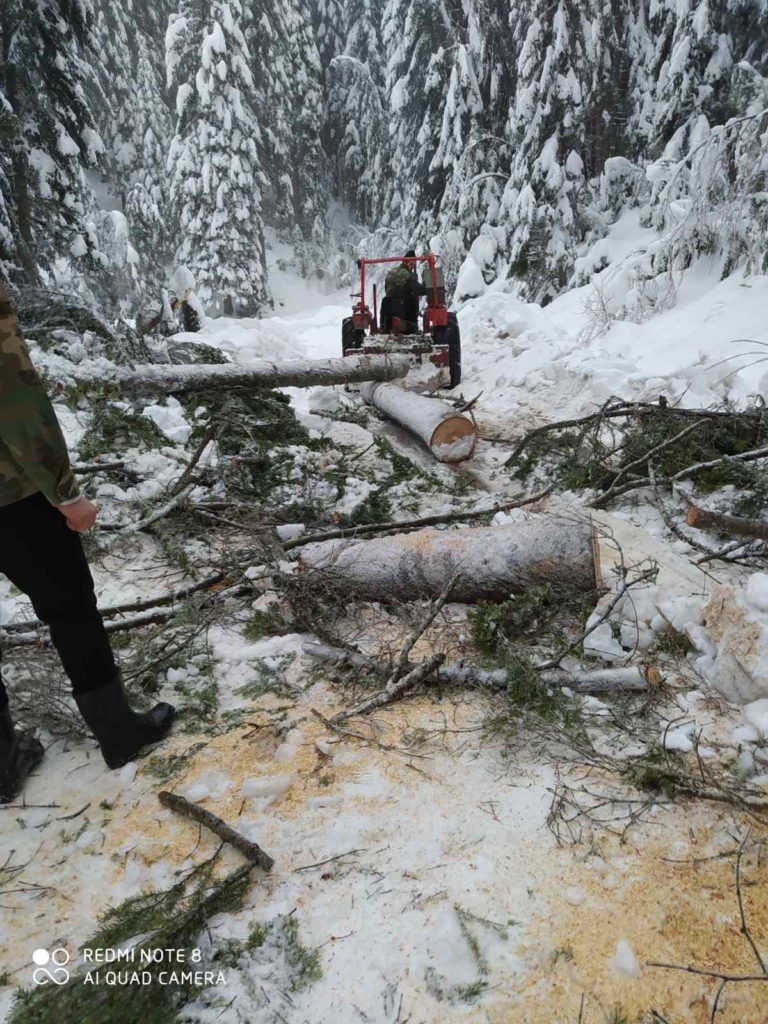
(450, 436)
(703, 519)
(492, 562)
(297, 373)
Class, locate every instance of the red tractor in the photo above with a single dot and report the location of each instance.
(397, 329)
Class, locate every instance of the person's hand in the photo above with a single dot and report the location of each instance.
(80, 514)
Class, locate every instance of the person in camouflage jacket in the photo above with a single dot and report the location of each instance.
(402, 289)
(42, 513)
(33, 455)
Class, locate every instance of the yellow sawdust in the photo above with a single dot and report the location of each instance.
(677, 913)
(680, 913)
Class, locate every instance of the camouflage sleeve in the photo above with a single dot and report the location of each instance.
(30, 435)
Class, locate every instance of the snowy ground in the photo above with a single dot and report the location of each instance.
(427, 881)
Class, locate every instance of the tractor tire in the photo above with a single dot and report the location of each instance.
(351, 337)
(451, 336)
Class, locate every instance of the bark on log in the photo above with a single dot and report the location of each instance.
(492, 562)
(736, 526)
(450, 436)
(297, 373)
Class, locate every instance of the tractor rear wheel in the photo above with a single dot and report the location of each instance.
(351, 336)
(451, 336)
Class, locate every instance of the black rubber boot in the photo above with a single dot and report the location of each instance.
(20, 753)
(121, 731)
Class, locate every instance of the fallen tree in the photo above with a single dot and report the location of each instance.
(597, 680)
(488, 563)
(297, 373)
(704, 519)
(449, 435)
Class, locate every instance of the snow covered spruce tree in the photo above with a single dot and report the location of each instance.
(708, 131)
(307, 164)
(470, 191)
(328, 24)
(48, 130)
(216, 179)
(356, 132)
(417, 37)
(356, 136)
(546, 129)
(135, 122)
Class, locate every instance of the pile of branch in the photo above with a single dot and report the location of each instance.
(598, 441)
(627, 679)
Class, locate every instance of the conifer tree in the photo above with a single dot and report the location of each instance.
(328, 24)
(547, 129)
(48, 127)
(417, 35)
(135, 121)
(216, 177)
(307, 164)
(356, 132)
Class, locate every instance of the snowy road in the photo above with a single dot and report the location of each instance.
(418, 866)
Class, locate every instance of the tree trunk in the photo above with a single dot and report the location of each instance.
(703, 519)
(298, 373)
(492, 562)
(596, 680)
(450, 436)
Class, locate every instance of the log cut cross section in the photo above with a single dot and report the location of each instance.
(450, 436)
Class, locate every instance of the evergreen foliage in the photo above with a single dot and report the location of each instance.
(215, 172)
(507, 136)
(48, 132)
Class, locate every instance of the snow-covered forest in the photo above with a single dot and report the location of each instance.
(142, 135)
(454, 594)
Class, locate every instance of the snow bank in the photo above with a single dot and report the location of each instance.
(684, 336)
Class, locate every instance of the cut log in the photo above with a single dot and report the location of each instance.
(491, 562)
(703, 519)
(296, 373)
(450, 436)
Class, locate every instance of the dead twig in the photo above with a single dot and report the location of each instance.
(394, 690)
(351, 734)
(208, 435)
(644, 577)
(252, 851)
(150, 520)
(725, 977)
(614, 489)
(751, 456)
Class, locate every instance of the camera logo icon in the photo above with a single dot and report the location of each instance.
(51, 966)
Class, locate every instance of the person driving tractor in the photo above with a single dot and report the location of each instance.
(402, 290)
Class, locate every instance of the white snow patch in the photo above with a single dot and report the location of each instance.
(624, 961)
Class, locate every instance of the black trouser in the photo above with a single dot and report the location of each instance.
(406, 307)
(44, 558)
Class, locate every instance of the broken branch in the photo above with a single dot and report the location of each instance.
(252, 851)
